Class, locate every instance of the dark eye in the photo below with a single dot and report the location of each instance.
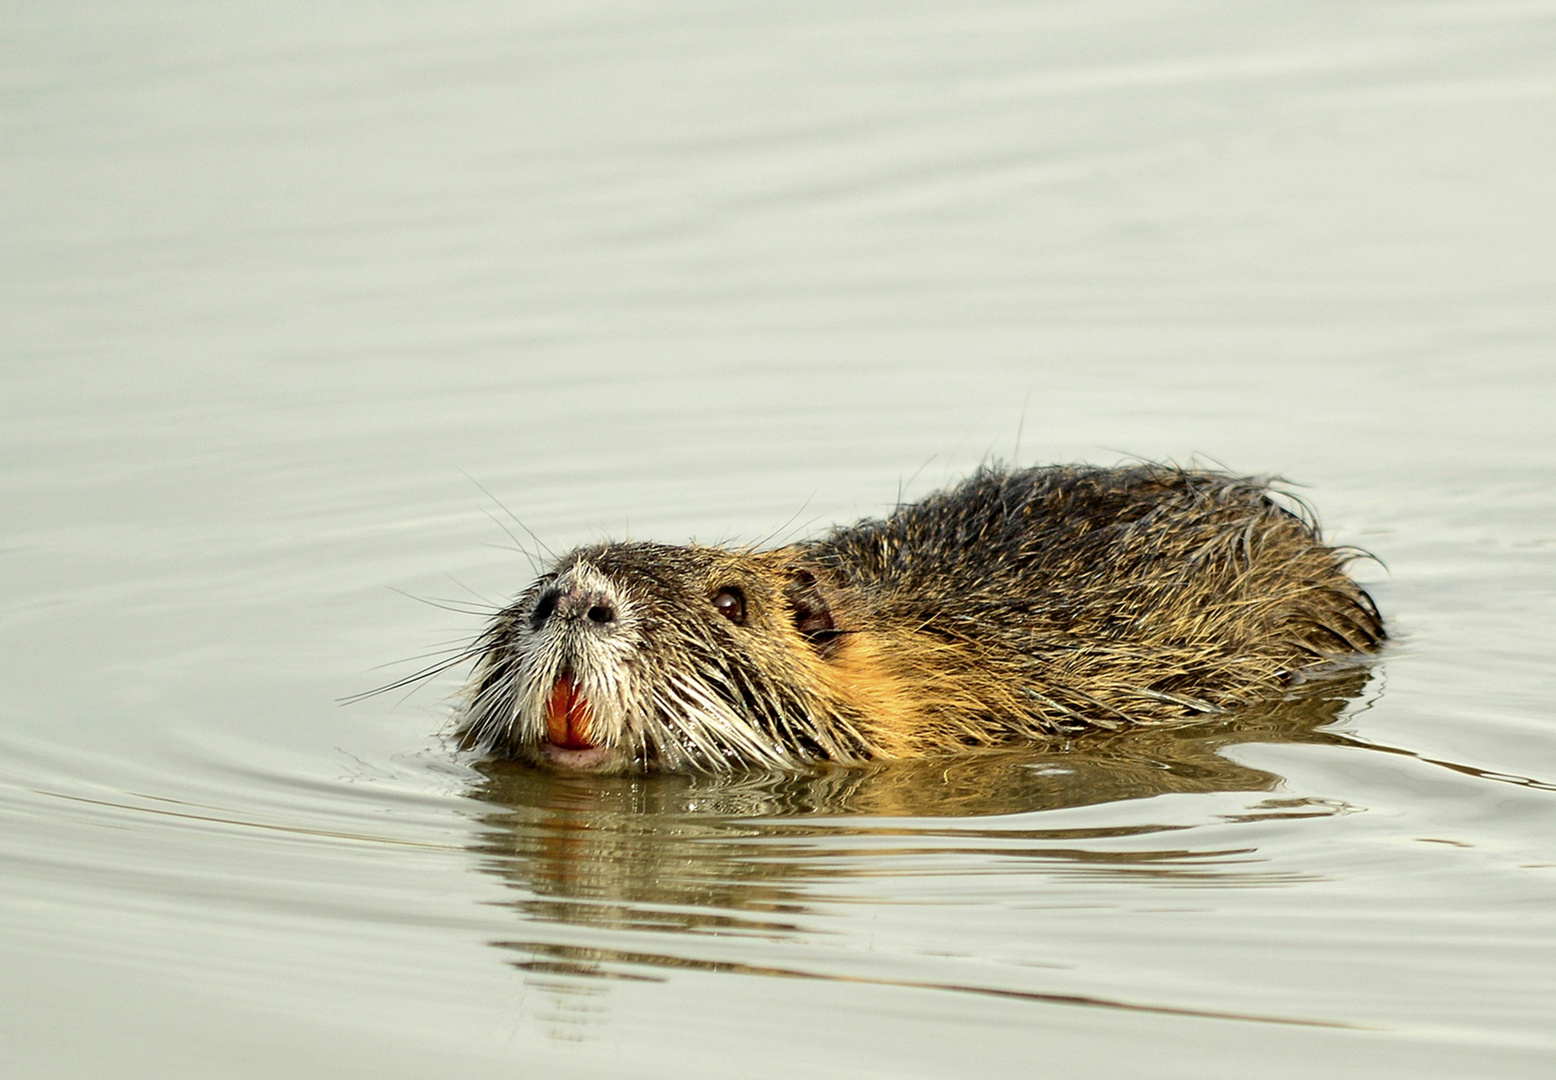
(731, 604)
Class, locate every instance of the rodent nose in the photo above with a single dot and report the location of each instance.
(574, 604)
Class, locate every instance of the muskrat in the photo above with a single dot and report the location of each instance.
(1020, 605)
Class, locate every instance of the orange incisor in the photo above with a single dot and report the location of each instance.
(567, 716)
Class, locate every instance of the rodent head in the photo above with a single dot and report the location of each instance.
(638, 656)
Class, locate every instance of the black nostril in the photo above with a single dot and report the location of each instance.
(543, 609)
(568, 605)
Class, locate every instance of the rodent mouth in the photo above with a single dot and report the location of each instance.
(567, 716)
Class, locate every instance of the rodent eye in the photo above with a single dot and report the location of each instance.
(731, 603)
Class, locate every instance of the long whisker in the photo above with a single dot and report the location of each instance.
(416, 676)
(531, 532)
(458, 607)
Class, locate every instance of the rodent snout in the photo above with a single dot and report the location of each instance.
(571, 604)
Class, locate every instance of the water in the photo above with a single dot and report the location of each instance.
(296, 303)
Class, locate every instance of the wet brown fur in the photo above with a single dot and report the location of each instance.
(1018, 605)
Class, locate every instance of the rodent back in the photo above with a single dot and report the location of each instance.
(1109, 597)
(1118, 552)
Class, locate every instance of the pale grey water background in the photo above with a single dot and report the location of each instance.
(278, 282)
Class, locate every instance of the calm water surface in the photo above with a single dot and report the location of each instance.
(301, 307)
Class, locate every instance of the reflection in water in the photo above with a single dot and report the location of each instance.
(1104, 767)
(630, 877)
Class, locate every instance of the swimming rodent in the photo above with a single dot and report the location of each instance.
(1017, 606)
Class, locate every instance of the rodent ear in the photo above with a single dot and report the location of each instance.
(812, 614)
